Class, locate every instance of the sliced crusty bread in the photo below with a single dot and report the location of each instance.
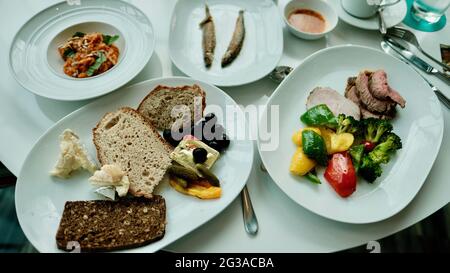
(158, 104)
(102, 225)
(127, 139)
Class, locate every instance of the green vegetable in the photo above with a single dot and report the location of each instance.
(319, 115)
(68, 52)
(98, 62)
(314, 147)
(356, 152)
(347, 124)
(312, 177)
(109, 40)
(208, 175)
(78, 34)
(375, 128)
(185, 173)
(369, 169)
(389, 143)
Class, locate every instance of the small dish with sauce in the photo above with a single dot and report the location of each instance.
(310, 19)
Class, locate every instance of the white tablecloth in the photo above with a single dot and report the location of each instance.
(284, 225)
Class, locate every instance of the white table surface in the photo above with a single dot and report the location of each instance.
(284, 225)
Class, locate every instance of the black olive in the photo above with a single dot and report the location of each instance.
(167, 134)
(218, 129)
(210, 116)
(208, 131)
(183, 132)
(224, 142)
(215, 145)
(199, 155)
(205, 141)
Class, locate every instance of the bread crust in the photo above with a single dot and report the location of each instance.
(155, 90)
(157, 202)
(136, 114)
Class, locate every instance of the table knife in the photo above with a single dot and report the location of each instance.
(416, 61)
(391, 51)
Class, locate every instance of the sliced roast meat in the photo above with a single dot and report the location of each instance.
(350, 91)
(337, 103)
(368, 100)
(351, 94)
(380, 89)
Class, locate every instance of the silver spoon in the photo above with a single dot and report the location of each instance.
(250, 221)
(279, 73)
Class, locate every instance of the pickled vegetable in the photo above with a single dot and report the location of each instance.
(208, 175)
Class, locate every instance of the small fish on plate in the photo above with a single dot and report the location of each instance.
(209, 38)
(236, 41)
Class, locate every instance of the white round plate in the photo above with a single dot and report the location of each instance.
(40, 198)
(35, 62)
(420, 126)
(393, 15)
(260, 53)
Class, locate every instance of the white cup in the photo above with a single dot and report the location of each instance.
(360, 8)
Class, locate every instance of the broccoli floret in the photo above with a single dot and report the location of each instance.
(347, 124)
(389, 143)
(369, 169)
(375, 128)
(356, 152)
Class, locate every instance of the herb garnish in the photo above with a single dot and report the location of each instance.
(109, 40)
(78, 34)
(68, 52)
(98, 62)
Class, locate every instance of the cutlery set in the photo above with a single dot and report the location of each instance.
(401, 50)
(390, 49)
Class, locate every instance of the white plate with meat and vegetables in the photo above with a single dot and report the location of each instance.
(76, 52)
(226, 43)
(123, 173)
(356, 139)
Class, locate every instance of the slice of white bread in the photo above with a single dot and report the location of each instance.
(128, 139)
(158, 104)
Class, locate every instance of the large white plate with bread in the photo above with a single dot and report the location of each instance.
(261, 47)
(41, 198)
(419, 125)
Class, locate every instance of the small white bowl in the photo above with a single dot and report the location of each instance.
(319, 6)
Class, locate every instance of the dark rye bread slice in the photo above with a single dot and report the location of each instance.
(127, 139)
(158, 104)
(102, 225)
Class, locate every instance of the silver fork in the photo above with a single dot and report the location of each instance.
(409, 37)
(388, 49)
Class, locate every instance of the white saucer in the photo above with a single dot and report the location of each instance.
(393, 15)
(37, 66)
